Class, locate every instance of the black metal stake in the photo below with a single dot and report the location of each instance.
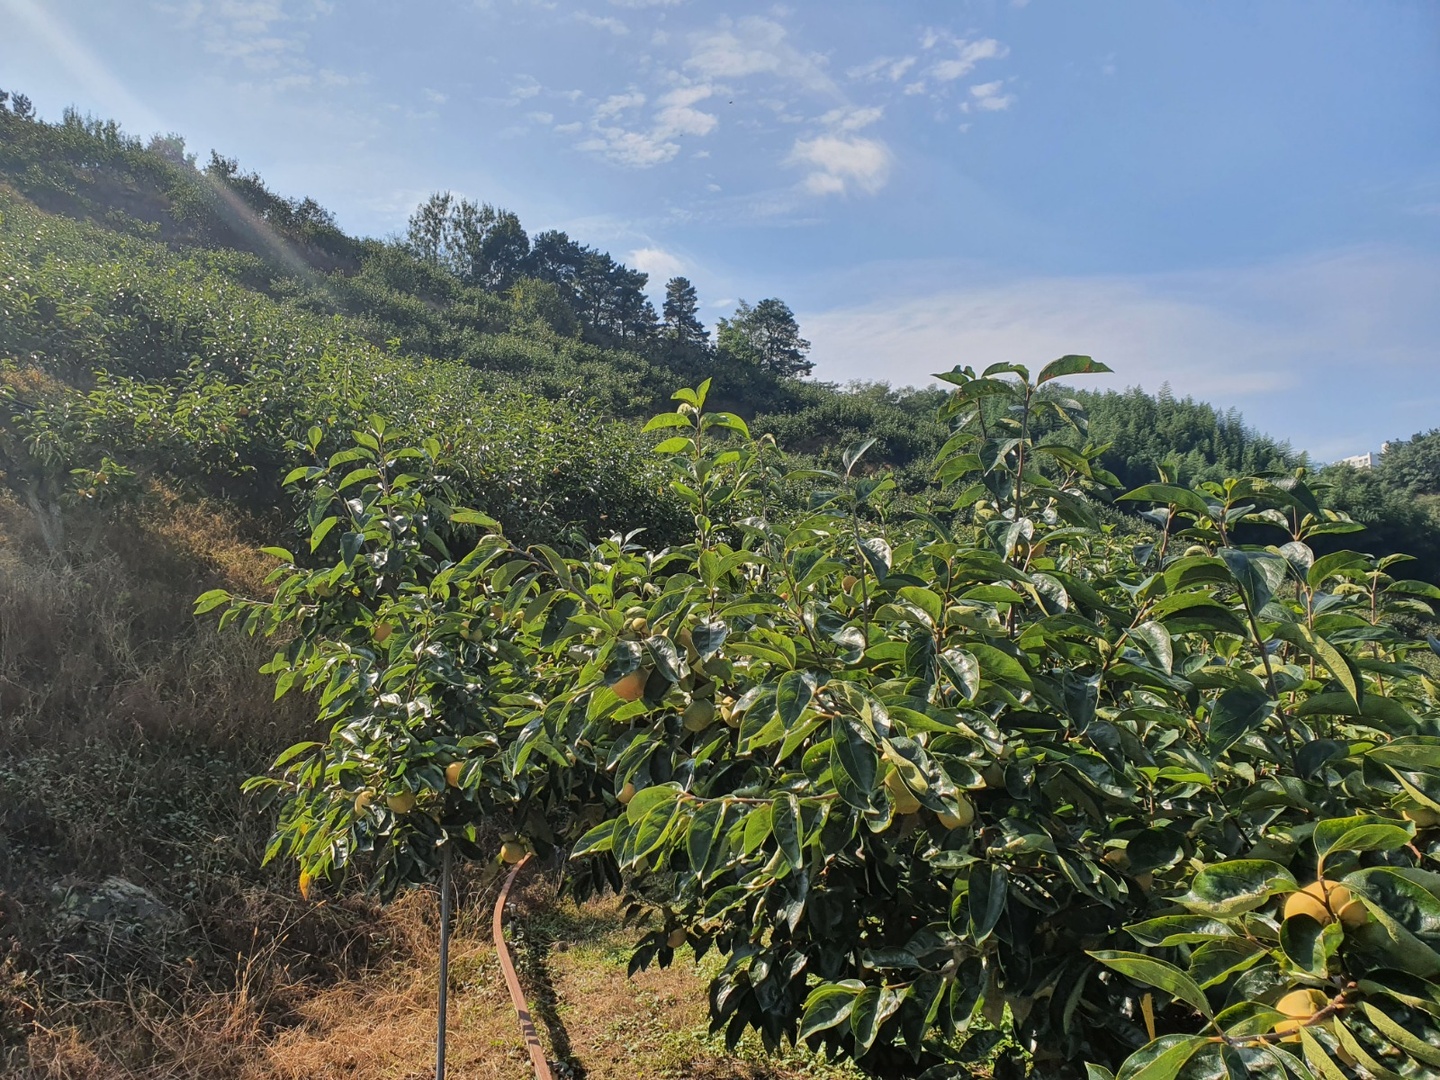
(444, 961)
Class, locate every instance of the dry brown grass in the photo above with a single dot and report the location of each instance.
(98, 641)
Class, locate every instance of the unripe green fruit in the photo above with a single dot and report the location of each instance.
(699, 714)
(904, 798)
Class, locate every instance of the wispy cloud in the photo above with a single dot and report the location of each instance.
(262, 35)
(602, 22)
(842, 163)
(989, 96)
(754, 45)
(1273, 339)
(950, 57)
(623, 137)
(887, 68)
(660, 264)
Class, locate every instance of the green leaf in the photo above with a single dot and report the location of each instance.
(1317, 1057)
(963, 671)
(1308, 641)
(667, 420)
(1419, 1049)
(1159, 974)
(1327, 566)
(1170, 495)
(647, 799)
(1309, 945)
(785, 823)
(924, 599)
(855, 753)
(1187, 611)
(1069, 365)
(1364, 832)
(1258, 573)
(989, 893)
(872, 1008)
(598, 839)
(1000, 666)
(792, 697)
(829, 1004)
(1235, 714)
(209, 601)
(1168, 930)
(1229, 888)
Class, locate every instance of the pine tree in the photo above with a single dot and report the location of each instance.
(682, 326)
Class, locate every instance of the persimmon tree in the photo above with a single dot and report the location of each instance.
(934, 777)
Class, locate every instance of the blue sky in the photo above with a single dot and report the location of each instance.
(1239, 198)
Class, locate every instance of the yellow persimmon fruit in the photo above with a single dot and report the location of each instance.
(848, 582)
(452, 773)
(1298, 1007)
(963, 818)
(699, 714)
(381, 632)
(905, 800)
(402, 803)
(630, 687)
(626, 793)
(1324, 901)
(1118, 858)
(639, 624)
(727, 712)
(676, 939)
(512, 851)
(1145, 881)
(363, 800)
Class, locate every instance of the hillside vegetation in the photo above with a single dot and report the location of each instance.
(174, 340)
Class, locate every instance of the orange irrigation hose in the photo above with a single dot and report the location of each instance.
(512, 981)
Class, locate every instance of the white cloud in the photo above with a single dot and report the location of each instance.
(677, 117)
(646, 3)
(756, 46)
(525, 88)
(988, 96)
(967, 55)
(638, 150)
(602, 22)
(659, 264)
(882, 67)
(615, 104)
(644, 145)
(569, 129)
(262, 35)
(840, 161)
(850, 118)
(435, 97)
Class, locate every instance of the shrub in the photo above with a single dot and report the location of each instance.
(923, 783)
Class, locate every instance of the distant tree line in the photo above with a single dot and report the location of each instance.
(487, 247)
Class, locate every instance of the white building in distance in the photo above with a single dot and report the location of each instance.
(1359, 461)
